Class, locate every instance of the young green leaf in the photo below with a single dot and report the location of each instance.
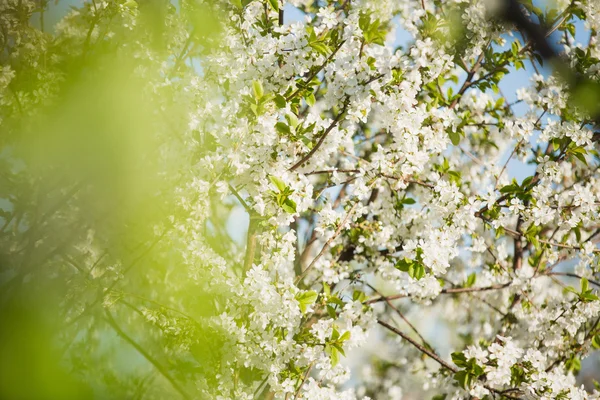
(280, 101)
(277, 182)
(471, 279)
(283, 128)
(310, 99)
(258, 89)
(306, 299)
(289, 206)
(454, 137)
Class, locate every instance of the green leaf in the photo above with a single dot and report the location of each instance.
(474, 368)
(254, 109)
(573, 364)
(339, 348)
(310, 99)
(331, 312)
(289, 206)
(274, 4)
(280, 101)
(454, 176)
(292, 119)
(359, 295)
(471, 280)
(596, 342)
(513, 187)
(585, 285)
(417, 271)
(408, 200)
(500, 231)
(283, 128)
(526, 182)
(454, 137)
(404, 264)
(464, 379)
(459, 359)
(577, 232)
(588, 296)
(335, 357)
(336, 300)
(306, 299)
(555, 144)
(277, 182)
(514, 48)
(344, 337)
(335, 334)
(581, 158)
(571, 289)
(517, 375)
(320, 47)
(519, 65)
(258, 89)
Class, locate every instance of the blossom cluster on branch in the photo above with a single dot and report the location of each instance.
(371, 185)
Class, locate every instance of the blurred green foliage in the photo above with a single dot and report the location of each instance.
(93, 289)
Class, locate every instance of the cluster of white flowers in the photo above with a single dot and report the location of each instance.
(504, 362)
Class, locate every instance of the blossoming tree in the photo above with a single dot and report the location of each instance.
(247, 202)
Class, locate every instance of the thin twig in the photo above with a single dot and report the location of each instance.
(421, 348)
(322, 139)
(444, 291)
(146, 355)
(572, 275)
(435, 357)
(303, 380)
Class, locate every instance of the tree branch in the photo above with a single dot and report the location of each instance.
(322, 139)
(444, 291)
